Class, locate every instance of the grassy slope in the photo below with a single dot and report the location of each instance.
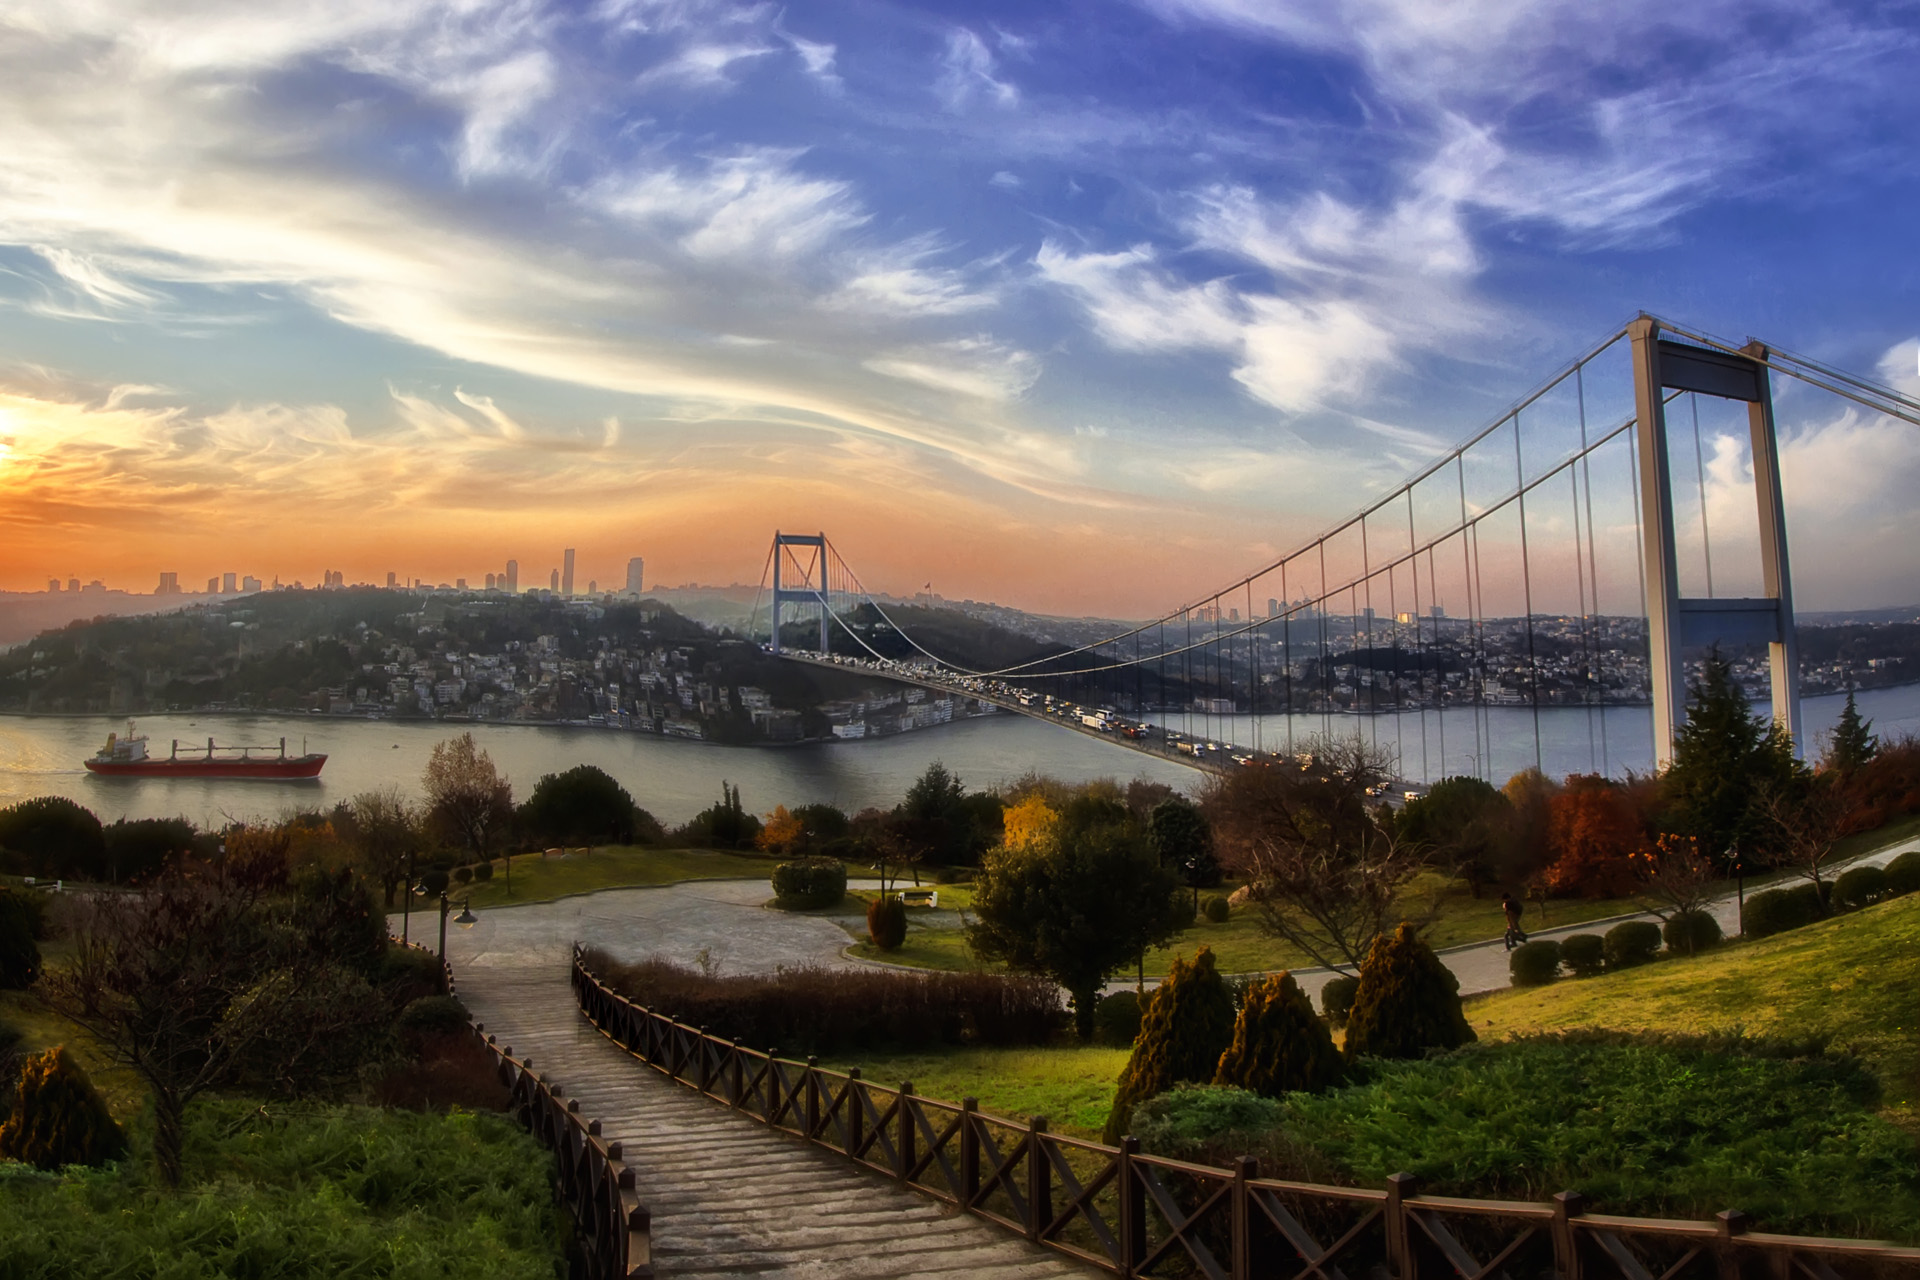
(537, 878)
(1070, 1085)
(1852, 978)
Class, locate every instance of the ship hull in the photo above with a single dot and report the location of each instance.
(268, 770)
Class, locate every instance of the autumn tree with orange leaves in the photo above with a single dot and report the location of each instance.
(1595, 833)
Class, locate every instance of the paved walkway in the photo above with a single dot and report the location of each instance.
(729, 1197)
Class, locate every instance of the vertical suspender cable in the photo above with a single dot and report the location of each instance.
(1593, 567)
(1366, 580)
(1419, 644)
(1586, 646)
(1326, 683)
(1640, 568)
(1700, 473)
(1470, 572)
(1526, 583)
(1286, 648)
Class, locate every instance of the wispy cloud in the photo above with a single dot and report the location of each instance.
(970, 73)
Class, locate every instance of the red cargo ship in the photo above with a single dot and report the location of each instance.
(127, 757)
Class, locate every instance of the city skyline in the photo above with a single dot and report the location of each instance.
(993, 295)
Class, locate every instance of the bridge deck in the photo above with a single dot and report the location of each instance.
(728, 1196)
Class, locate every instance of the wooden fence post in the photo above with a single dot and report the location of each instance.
(903, 1149)
(1039, 1184)
(1133, 1209)
(1733, 1222)
(856, 1112)
(813, 1098)
(1567, 1205)
(1400, 1258)
(969, 1152)
(1245, 1168)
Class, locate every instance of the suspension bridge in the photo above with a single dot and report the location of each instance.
(1452, 615)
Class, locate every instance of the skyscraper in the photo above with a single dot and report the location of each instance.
(169, 585)
(566, 574)
(513, 575)
(636, 568)
(393, 579)
(227, 583)
(554, 584)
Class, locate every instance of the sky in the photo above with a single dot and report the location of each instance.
(1081, 307)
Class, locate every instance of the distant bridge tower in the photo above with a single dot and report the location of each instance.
(1660, 364)
(811, 592)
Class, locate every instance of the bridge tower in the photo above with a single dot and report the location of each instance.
(811, 592)
(1661, 365)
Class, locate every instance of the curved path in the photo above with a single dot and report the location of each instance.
(728, 1196)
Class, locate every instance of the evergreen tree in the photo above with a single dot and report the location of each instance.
(58, 1117)
(1407, 1001)
(1853, 742)
(1187, 1025)
(1724, 758)
(1279, 1046)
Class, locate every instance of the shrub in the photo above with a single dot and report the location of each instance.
(1116, 1019)
(463, 875)
(434, 881)
(58, 1117)
(1534, 964)
(1407, 1001)
(1187, 1025)
(1859, 887)
(1903, 873)
(1632, 942)
(1778, 910)
(19, 954)
(1584, 954)
(809, 883)
(1336, 998)
(52, 836)
(407, 973)
(1690, 932)
(1188, 1121)
(1278, 1045)
(814, 1010)
(887, 922)
(1216, 909)
(483, 871)
(432, 1016)
(448, 1070)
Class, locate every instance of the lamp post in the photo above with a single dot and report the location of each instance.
(406, 900)
(466, 920)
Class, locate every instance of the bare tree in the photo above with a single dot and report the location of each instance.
(1326, 871)
(385, 833)
(467, 798)
(885, 845)
(1803, 822)
(1675, 877)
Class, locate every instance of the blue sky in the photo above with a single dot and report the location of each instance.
(1074, 306)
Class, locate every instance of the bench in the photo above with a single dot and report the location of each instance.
(920, 897)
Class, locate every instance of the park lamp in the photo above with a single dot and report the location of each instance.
(466, 920)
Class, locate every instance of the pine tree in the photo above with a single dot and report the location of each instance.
(1853, 743)
(1407, 1002)
(1188, 1024)
(1724, 757)
(58, 1117)
(1279, 1046)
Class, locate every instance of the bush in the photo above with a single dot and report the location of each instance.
(1534, 964)
(448, 1070)
(1859, 887)
(1278, 1045)
(1336, 998)
(887, 922)
(1116, 1020)
(432, 1016)
(19, 955)
(1584, 954)
(1407, 1001)
(813, 1010)
(1189, 1119)
(1903, 873)
(1216, 909)
(408, 973)
(1778, 910)
(1186, 1026)
(463, 875)
(52, 837)
(809, 883)
(58, 1118)
(1632, 942)
(434, 881)
(1690, 932)
(482, 872)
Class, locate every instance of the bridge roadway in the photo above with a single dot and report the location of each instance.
(1155, 747)
(729, 1197)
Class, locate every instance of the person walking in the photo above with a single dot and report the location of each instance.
(1510, 905)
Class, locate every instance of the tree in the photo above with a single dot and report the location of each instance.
(944, 822)
(1186, 1026)
(875, 839)
(467, 798)
(384, 830)
(1595, 837)
(1183, 841)
(1804, 821)
(1467, 826)
(1723, 757)
(781, 833)
(1407, 1001)
(52, 836)
(139, 847)
(1075, 903)
(1675, 877)
(584, 805)
(1279, 1046)
(1327, 873)
(1853, 743)
(726, 825)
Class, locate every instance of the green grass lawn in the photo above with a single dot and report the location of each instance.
(538, 878)
(125, 1092)
(1852, 978)
(1071, 1085)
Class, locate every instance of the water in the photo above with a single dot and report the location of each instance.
(40, 755)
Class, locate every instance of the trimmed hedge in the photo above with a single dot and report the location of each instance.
(1188, 1023)
(1116, 1020)
(1336, 998)
(1278, 1045)
(1903, 873)
(807, 884)
(1584, 954)
(1778, 910)
(1691, 932)
(58, 1118)
(1859, 887)
(1534, 964)
(887, 922)
(1631, 942)
(1407, 1001)
(1216, 909)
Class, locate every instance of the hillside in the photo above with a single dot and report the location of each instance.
(1851, 978)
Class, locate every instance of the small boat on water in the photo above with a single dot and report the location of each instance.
(127, 757)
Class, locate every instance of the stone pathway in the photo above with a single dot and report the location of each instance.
(729, 1197)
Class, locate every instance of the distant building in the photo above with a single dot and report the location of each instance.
(213, 586)
(460, 584)
(169, 585)
(593, 586)
(553, 584)
(636, 574)
(393, 580)
(1436, 611)
(249, 583)
(73, 584)
(229, 583)
(1273, 607)
(513, 575)
(491, 582)
(53, 584)
(566, 574)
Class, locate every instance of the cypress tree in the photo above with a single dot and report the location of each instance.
(58, 1116)
(1187, 1025)
(1853, 743)
(1407, 1002)
(1723, 757)
(1279, 1046)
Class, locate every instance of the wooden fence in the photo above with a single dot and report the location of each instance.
(612, 1229)
(1130, 1213)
